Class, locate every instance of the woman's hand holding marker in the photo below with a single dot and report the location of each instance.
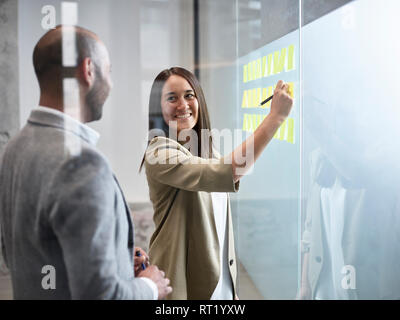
(282, 101)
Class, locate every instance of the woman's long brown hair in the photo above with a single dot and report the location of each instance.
(156, 120)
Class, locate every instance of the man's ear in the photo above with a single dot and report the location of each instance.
(86, 72)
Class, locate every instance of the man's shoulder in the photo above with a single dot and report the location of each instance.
(87, 157)
(83, 159)
(52, 143)
(86, 171)
(59, 151)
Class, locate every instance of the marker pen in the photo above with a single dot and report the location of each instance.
(138, 254)
(266, 100)
(288, 90)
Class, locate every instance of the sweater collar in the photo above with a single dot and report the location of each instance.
(54, 118)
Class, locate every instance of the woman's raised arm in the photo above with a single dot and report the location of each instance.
(245, 155)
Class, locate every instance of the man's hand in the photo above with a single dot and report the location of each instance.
(158, 277)
(138, 260)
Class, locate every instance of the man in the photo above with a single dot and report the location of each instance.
(66, 228)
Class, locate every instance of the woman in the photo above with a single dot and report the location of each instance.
(193, 238)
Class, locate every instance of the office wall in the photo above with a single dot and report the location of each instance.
(217, 54)
(9, 111)
(9, 99)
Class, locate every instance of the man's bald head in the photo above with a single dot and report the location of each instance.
(91, 70)
(48, 53)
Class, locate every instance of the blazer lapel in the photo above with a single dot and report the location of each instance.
(128, 214)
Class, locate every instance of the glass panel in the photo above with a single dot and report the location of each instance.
(351, 159)
(267, 206)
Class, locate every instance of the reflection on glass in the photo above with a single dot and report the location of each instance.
(350, 240)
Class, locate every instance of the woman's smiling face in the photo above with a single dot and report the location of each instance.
(179, 104)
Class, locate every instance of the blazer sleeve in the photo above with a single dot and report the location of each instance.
(82, 216)
(3, 258)
(169, 163)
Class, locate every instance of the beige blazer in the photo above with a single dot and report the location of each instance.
(185, 241)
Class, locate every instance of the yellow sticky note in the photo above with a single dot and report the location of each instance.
(257, 121)
(290, 62)
(290, 135)
(279, 60)
(270, 90)
(277, 133)
(254, 122)
(245, 122)
(249, 98)
(264, 64)
(269, 64)
(283, 131)
(244, 100)
(254, 69)
(249, 72)
(264, 96)
(258, 97)
(290, 90)
(254, 100)
(258, 73)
